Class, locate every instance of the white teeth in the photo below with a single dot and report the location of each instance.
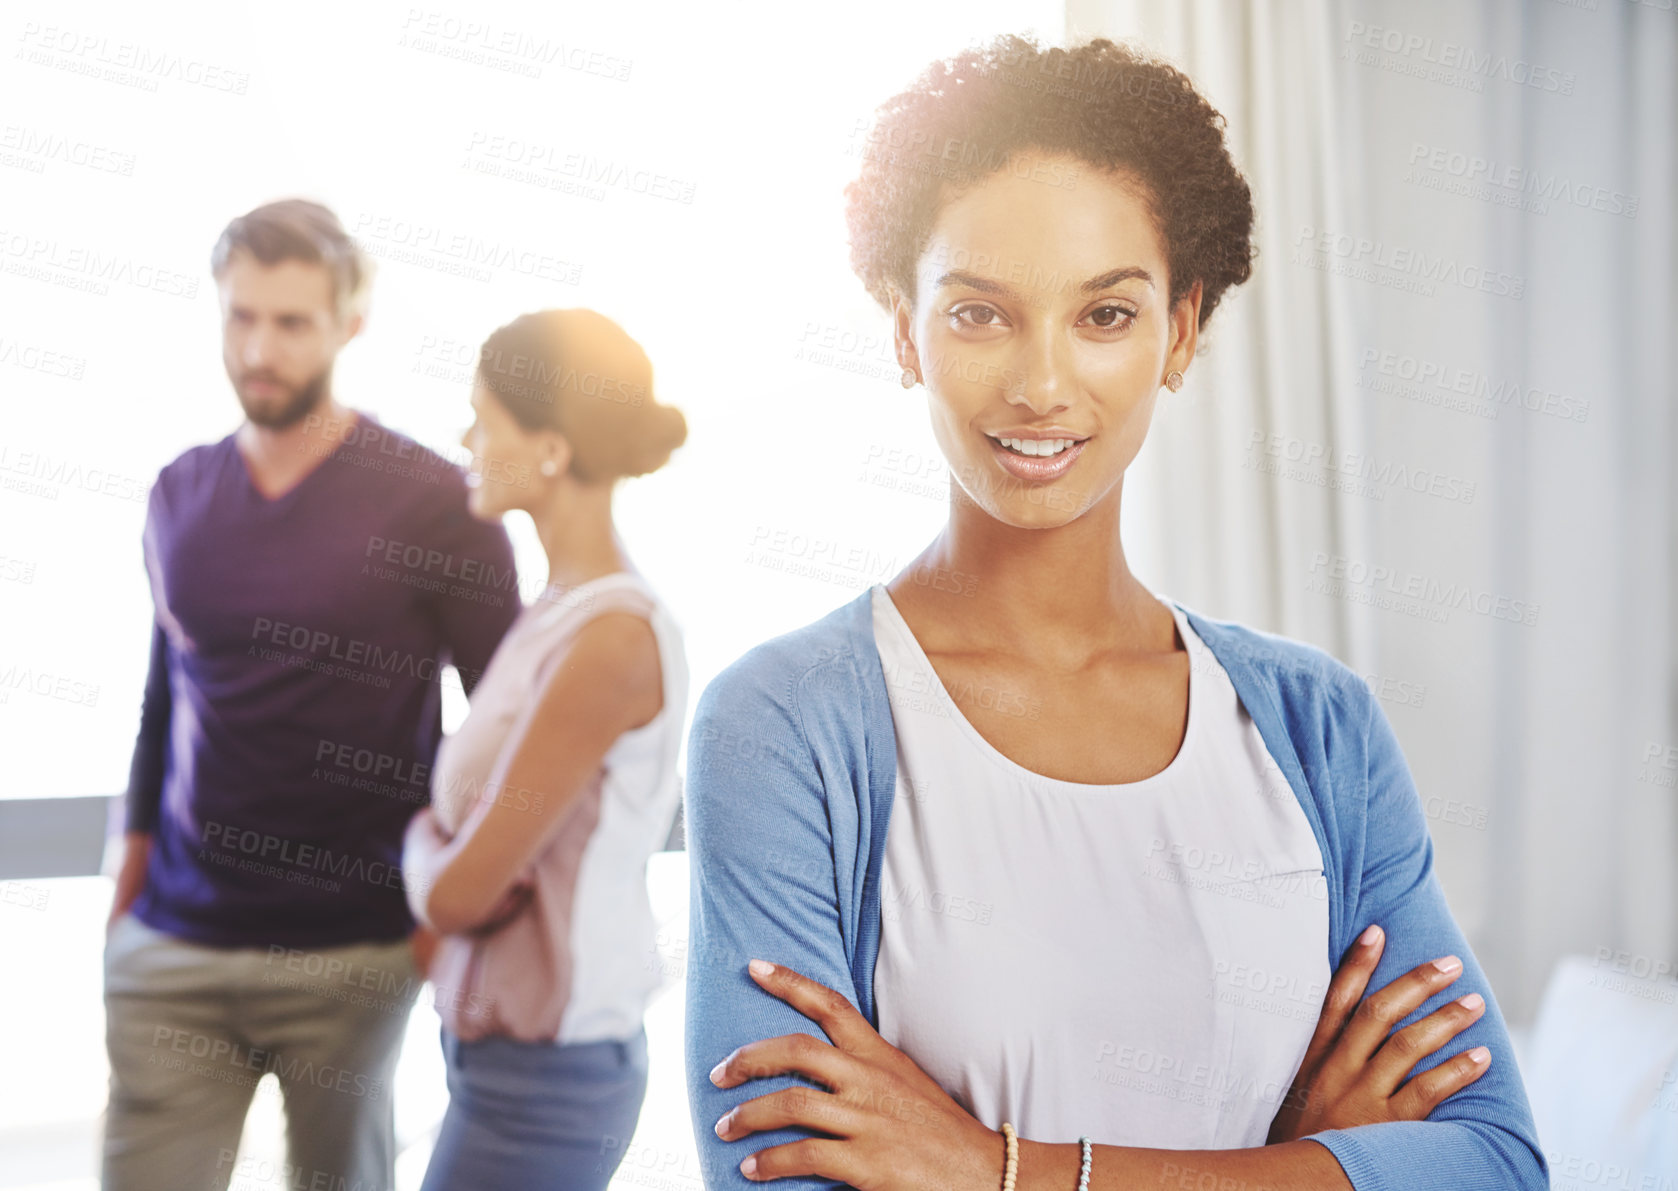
(1031, 446)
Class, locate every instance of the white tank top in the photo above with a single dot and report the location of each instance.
(1141, 962)
(572, 966)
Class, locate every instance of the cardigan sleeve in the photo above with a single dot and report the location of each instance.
(1483, 1136)
(762, 886)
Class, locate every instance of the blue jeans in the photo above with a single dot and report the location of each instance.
(537, 1115)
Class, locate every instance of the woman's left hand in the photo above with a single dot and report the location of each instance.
(891, 1127)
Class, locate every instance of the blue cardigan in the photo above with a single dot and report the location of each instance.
(792, 760)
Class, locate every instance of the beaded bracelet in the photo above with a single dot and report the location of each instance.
(1010, 1164)
(1084, 1166)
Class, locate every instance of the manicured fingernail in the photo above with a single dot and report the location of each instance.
(1370, 937)
(1448, 965)
(1471, 1001)
(1480, 1056)
(722, 1124)
(761, 967)
(749, 1166)
(716, 1072)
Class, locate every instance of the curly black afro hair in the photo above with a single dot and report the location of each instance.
(1118, 109)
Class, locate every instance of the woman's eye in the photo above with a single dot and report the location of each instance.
(976, 316)
(1111, 317)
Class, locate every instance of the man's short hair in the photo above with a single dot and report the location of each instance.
(299, 230)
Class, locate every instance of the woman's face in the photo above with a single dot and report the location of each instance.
(1041, 312)
(504, 471)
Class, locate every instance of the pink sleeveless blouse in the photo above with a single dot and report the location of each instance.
(573, 964)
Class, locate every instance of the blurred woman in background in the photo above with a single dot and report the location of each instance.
(546, 804)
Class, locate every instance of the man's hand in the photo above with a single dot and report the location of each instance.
(131, 876)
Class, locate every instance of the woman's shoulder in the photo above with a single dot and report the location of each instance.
(1298, 673)
(797, 671)
(1318, 717)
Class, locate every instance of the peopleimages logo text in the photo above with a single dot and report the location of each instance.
(1410, 585)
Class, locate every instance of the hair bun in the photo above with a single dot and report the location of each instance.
(577, 372)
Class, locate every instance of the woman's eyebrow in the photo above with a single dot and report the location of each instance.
(973, 281)
(1114, 276)
(1094, 285)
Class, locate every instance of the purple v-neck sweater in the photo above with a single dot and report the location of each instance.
(292, 710)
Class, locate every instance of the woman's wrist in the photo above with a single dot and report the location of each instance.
(1046, 1166)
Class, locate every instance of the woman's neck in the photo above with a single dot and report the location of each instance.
(578, 536)
(1068, 591)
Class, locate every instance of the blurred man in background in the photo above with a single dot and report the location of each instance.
(312, 572)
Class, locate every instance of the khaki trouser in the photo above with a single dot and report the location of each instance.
(191, 1030)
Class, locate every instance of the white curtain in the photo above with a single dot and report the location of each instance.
(1435, 433)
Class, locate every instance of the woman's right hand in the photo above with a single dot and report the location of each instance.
(516, 898)
(1352, 1072)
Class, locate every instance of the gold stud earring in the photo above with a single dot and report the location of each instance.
(1174, 380)
(909, 378)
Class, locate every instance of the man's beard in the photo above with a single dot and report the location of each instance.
(295, 403)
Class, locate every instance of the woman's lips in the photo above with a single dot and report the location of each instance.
(1035, 467)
